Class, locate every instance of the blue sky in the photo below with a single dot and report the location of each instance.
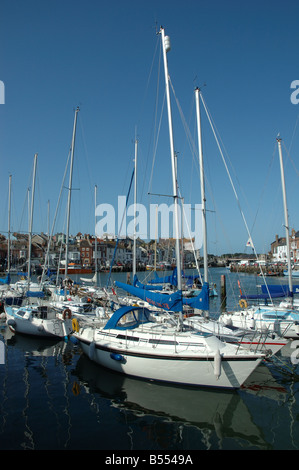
(98, 55)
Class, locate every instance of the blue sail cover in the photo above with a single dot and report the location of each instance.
(261, 296)
(171, 302)
(279, 289)
(137, 283)
(6, 280)
(171, 279)
(31, 293)
(201, 301)
(190, 279)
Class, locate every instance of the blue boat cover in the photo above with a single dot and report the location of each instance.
(35, 294)
(6, 280)
(279, 289)
(173, 279)
(141, 315)
(261, 296)
(173, 302)
(137, 283)
(202, 300)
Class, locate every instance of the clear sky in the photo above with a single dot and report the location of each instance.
(103, 56)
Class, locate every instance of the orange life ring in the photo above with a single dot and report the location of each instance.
(243, 303)
(67, 314)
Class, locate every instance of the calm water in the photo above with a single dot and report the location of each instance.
(53, 397)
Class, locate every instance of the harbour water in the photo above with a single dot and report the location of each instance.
(54, 398)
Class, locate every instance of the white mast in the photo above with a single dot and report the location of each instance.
(166, 48)
(31, 219)
(70, 194)
(96, 239)
(202, 184)
(135, 208)
(9, 210)
(286, 218)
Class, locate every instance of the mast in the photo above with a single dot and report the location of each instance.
(202, 184)
(70, 193)
(96, 239)
(9, 211)
(156, 238)
(31, 219)
(135, 208)
(286, 218)
(166, 48)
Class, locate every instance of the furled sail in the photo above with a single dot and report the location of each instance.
(137, 283)
(201, 301)
(173, 302)
(173, 279)
(6, 280)
(279, 289)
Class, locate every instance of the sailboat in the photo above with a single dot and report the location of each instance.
(152, 295)
(8, 295)
(37, 318)
(283, 320)
(132, 342)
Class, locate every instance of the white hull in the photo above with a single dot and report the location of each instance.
(27, 324)
(156, 351)
(281, 322)
(257, 341)
(196, 371)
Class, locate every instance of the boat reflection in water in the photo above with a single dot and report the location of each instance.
(214, 415)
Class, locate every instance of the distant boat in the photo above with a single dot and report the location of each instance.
(38, 320)
(293, 273)
(76, 269)
(281, 320)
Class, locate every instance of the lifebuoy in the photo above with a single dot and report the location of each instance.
(75, 325)
(67, 314)
(243, 303)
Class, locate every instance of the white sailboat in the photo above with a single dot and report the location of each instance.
(134, 343)
(255, 340)
(8, 295)
(37, 318)
(278, 319)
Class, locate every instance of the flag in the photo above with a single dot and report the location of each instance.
(250, 242)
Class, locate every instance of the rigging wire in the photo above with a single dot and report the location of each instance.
(234, 189)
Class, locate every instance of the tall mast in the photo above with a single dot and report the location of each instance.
(96, 239)
(166, 48)
(31, 219)
(8, 239)
(202, 184)
(286, 218)
(70, 193)
(135, 208)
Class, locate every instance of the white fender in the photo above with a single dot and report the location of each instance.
(217, 364)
